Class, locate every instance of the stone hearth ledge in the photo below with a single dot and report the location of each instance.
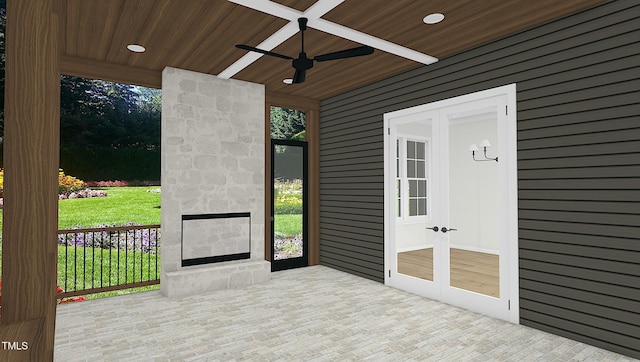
(209, 278)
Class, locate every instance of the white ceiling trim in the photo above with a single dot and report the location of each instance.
(370, 40)
(319, 9)
(271, 42)
(314, 14)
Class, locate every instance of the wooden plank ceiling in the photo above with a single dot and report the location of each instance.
(200, 35)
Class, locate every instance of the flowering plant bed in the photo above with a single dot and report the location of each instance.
(286, 247)
(59, 290)
(82, 194)
(60, 301)
(118, 183)
(69, 187)
(68, 299)
(127, 237)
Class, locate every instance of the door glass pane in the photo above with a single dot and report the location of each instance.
(411, 149)
(422, 206)
(474, 205)
(413, 234)
(398, 199)
(413, 207)
(421, 169)
(398, 158)
(413, 188)
(411, 168)
(398, 180)
(420, 150)
(422, 188)
(288, 201)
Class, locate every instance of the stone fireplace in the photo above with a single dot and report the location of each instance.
(212, 183)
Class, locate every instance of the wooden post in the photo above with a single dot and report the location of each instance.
(31, 160)
(313, 137)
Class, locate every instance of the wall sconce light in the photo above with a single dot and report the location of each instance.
(484, 144)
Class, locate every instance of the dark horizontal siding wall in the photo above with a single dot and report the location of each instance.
(578, 83)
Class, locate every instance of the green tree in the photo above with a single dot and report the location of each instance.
(95, 113)
(149, 100)
(109, 130)
(287, 123)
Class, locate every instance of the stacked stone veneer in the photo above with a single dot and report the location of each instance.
(212, 163)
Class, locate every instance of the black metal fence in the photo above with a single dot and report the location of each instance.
(104, 259)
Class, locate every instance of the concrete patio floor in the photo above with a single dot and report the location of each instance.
(307, 314)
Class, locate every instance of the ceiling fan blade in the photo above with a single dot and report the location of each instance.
(347, 53)
(265, 52)
(299, 76)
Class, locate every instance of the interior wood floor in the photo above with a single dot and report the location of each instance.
(417, 263)
(470, 270)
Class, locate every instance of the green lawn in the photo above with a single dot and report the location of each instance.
(288, 224)
(122, 205)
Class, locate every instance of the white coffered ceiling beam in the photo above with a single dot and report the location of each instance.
(319, 9)
(314, 14)
(271, 42)
(372, 41)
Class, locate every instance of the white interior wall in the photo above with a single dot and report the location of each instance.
(415, 129)
(414, 236)
(473, 194)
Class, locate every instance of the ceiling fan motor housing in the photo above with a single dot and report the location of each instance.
(302, 62)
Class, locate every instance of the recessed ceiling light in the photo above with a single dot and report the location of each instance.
(433, 18)
(136, 48)
(287, 81)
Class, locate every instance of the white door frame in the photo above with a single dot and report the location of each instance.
(508, 308)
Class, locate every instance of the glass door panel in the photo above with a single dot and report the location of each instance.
(473, 225)
(289, 204)
(414, 230)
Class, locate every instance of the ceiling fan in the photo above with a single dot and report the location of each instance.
(302, 63)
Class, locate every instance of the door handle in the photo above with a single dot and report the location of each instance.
(444, 229)
(435, 228)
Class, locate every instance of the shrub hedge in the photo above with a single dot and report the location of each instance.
(95, 164)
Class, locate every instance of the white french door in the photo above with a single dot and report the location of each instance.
(451, 201)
